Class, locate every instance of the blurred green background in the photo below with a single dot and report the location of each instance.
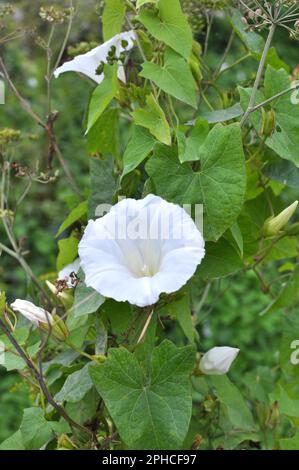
(232, 307)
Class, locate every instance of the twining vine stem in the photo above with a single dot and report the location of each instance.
(259, 74)
(41, 381)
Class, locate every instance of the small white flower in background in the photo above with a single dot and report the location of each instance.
(217, 361)
(141, 249)
(88, 63)
(65, 273)
(33, 313)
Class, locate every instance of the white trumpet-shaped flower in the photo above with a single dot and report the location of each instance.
(218, 360)
(141, 249)
(65, 273)
(88, 63)
(33, 313)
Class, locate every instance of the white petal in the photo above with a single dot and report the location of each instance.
(218, 360)
(69, 269)
(121, 74)
(88, 63)
(31, 311)
(141, 249)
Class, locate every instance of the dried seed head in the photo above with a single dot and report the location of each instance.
(6, 10)
(55, 14)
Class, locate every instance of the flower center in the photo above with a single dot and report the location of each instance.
(146, 271)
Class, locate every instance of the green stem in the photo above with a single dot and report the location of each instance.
(78, 350)
(143, 56)
(274, 97)
(66, 38)
(130, 5)
(209, 29)
(207, 101)
(259, 75)
(234, 64)
(224, 56)
(173, 110)
(41, 381)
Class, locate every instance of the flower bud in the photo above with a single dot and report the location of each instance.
(273, 225)
(66, 443)
(2, 302)
(59, 328)
(196, 49)
(195, 69)
(217, 361)
(100, 358)
(273, 418)
(35, 314)
(268, 122)
(196, 442)
(65, 297)
(41, 318)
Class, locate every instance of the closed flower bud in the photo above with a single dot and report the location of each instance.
(217, 361)
(65, 443)
(268, 122)
(195, 69)
(273, 418)
(41, 318)
(273, 225)
(59, 328)
(65, 297)
(196, 49)
(36, 315)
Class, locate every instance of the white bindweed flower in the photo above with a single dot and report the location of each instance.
(88, 63)
(33, 313)
(141, 249)
(66, 273)
(217, 361)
